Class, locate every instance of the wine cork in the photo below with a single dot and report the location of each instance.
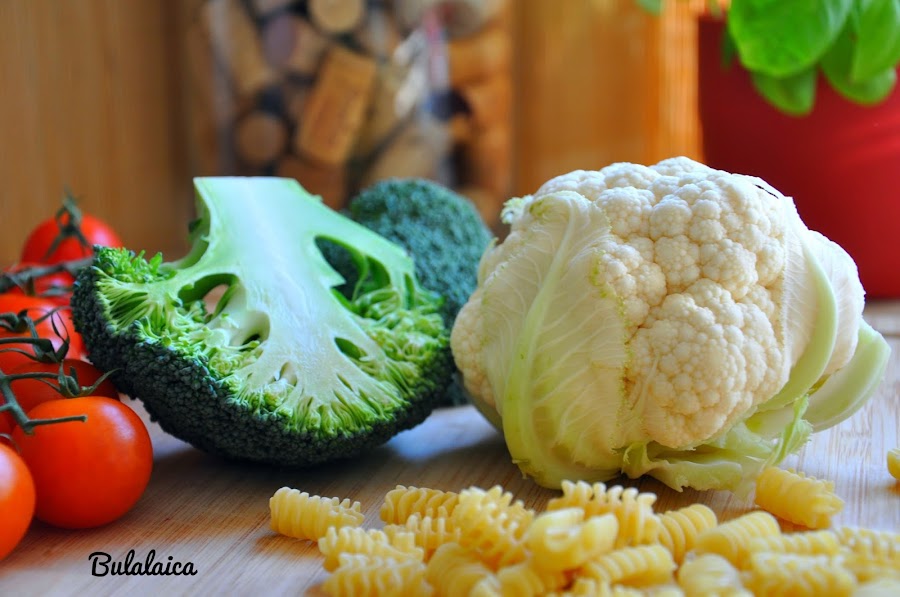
(325, 180)
(378, 36)
(336, 16)
(470, 59)
(295, 95)
(291, 44)
(488, 160)
(386, 110)
(460, 18)
(260, 138)
(234, 39)
(265, 8)
(417, 151)
(337, 104)
(489, 102)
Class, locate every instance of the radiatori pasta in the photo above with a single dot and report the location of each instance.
(593, 540)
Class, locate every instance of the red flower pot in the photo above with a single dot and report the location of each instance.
(840, 163)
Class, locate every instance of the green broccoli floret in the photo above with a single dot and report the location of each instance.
(441, 230)
(281, 368)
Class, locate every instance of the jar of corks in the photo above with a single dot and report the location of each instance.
(341, 93)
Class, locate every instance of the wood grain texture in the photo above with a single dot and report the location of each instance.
(201, 510)
(90, 102)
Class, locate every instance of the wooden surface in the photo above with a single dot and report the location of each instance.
(215, 515)
(90, 102)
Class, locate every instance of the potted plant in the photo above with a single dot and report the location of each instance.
(803, 94)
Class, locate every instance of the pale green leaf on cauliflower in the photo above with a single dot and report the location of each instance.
(671, 320)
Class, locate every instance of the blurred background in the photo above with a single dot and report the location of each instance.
(103, 97)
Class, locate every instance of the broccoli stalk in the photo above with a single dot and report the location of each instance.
(281, 368)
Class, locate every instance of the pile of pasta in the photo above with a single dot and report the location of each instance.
(592, 540)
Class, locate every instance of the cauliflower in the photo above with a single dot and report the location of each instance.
(672, 320)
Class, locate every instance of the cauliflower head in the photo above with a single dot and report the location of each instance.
(672, 320)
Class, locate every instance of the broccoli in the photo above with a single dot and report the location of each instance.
(280, 368)
(441, 230)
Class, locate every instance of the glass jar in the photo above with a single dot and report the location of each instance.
(341, 93)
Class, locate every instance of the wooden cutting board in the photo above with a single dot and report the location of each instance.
(214, 515)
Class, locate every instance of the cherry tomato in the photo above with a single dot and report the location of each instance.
(17, 499)
(37, 307)
(86, 473)
(55, 287)
(31, 392)
(95, 231)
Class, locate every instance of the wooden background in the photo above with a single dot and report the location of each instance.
(91, 100)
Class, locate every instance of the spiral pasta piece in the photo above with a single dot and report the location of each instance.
(563, 540)
(372, 542)
(490, 523)
(800, 575)
(641, 565)
(679, 528)
(730, 539)
(810, 543)
(798, 498)
(454, 570)
(362, 575)
(429, 532)
(524, 579)
(402, 502)
(638, 523)
(881, 545)
(304, 516)
(711, 575)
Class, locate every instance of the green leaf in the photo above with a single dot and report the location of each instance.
(793, 95)
(837, 64)
(779, 38)
(877, 36)
(652, 6)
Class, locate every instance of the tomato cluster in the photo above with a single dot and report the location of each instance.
(71, 453)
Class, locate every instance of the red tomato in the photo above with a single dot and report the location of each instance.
(17, 499)
(31, 392)
(95, 231)
(88, 473)
(37, 307)
(56, 287)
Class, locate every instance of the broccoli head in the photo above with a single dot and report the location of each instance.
(244, 348)
(441, 230)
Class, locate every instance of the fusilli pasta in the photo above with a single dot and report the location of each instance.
(302, 516)
(789, 574)
(402, 502)
(638, 523)
(798, 498)
(491, 523)
(362, 575)
(563, 540)
(372, 542)
(711, 575)
(641, 565)
(893, 463)
(729, 539)
(679, 528)
(454, 570)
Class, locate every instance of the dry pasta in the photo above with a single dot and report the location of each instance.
(302, 516)
(679, 528)
(893, 463)
(809, 543)
(371, 542)
(402, 502)
(430, 532)
(455, 570)
(789, 574)
(563, 540)
(729, 539)
(711, 575)
(361, 575)
(641, 565)
(492, 524)
(638, 524)
(484, 543)
(797, 498)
